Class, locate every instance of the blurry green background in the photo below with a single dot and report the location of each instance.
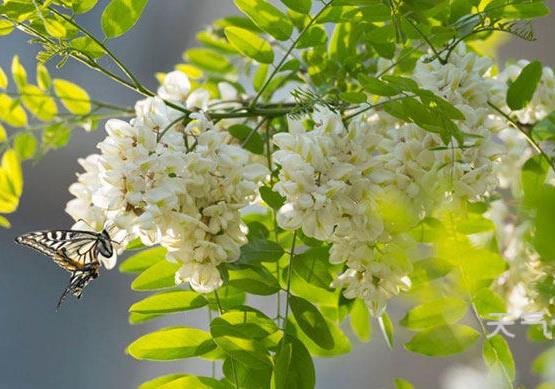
(82, 346)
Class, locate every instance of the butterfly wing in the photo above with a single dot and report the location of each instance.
(78, 281)
(71, 250)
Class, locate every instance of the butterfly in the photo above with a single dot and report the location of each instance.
(78, 252)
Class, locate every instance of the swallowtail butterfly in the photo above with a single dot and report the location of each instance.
(78, 252)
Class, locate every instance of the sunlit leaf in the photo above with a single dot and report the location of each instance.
(25, 145)
(73, 97)
(143, 260)
(250, 44)
(159, 276)
(120, 15)
(444, 340)
(267, 17)
(171, 344)
(169, 302)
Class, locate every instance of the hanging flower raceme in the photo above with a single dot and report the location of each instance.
(178, 186)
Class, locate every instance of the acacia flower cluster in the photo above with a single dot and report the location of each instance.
(178, 186)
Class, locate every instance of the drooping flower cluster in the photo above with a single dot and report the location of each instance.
(178, 186)
(364, 186)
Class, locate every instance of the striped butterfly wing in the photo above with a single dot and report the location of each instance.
(78, 281)
(71, 250)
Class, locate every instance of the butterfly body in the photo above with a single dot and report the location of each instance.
(75, 251)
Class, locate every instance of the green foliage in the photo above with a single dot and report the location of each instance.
(319, 53)
(522, 89)
(120, 15)
(443, 340)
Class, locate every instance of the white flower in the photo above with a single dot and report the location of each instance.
(176, 87)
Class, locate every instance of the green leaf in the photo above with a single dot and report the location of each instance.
(159, 276)
(260, 250)
(18, 73)
(138, 318)
(6, 27)
(208, 60)
(301, 6)
(11, 112)
(267, 17)
(169, 302)
(256, 280)
(229, 298)
(313, 266)
(250, 44)
(88, 46)
(54, 27)
(545, 224)
(376, 86)
(544, 362)
(273, 199)
(532, 178)
(498, 356)
(342, 345)
(386, 326)
(260, 77)
(246, 323)
(360, 320)
(293, 366)
(488, 302)
(250, 139)
(3, 134)
(73, 97)
(522, 89)
(143, 260)
(120, 15)
(429, 269)
(38, 103)
(83, 6)
(156, 383)
(249, 352)
(3, 79)
(171, 344)
(212, 40)
(315, 36)
(56, 136)
(354, 97)
(193, 382)
(446, 310)
(473, 223)
(444, 340)
(12, 167)
(43, 77)
(247, 378)
(25, 145)
(311, 321)
(403, 384)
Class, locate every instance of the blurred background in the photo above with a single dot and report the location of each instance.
(82, 346)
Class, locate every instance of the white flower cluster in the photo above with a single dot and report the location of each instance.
(362, 188)
(182, 190)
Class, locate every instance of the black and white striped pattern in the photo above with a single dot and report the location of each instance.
(74, 251)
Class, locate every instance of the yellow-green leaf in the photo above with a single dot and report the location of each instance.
(11, 112)
(3, 79)
(73, 97)
(445, 340)
(169, 302)
(171, 344)
(5, 223)
(38, 103)
(250, 44)
(55, 28)
(443, 311)
(3, 134)
(43, 77)
(18, 72)
(120, 15)
(12, 167)
(25, 145)
(6, 27)
(267, 17)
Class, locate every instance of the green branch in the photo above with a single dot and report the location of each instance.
(526, 133)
